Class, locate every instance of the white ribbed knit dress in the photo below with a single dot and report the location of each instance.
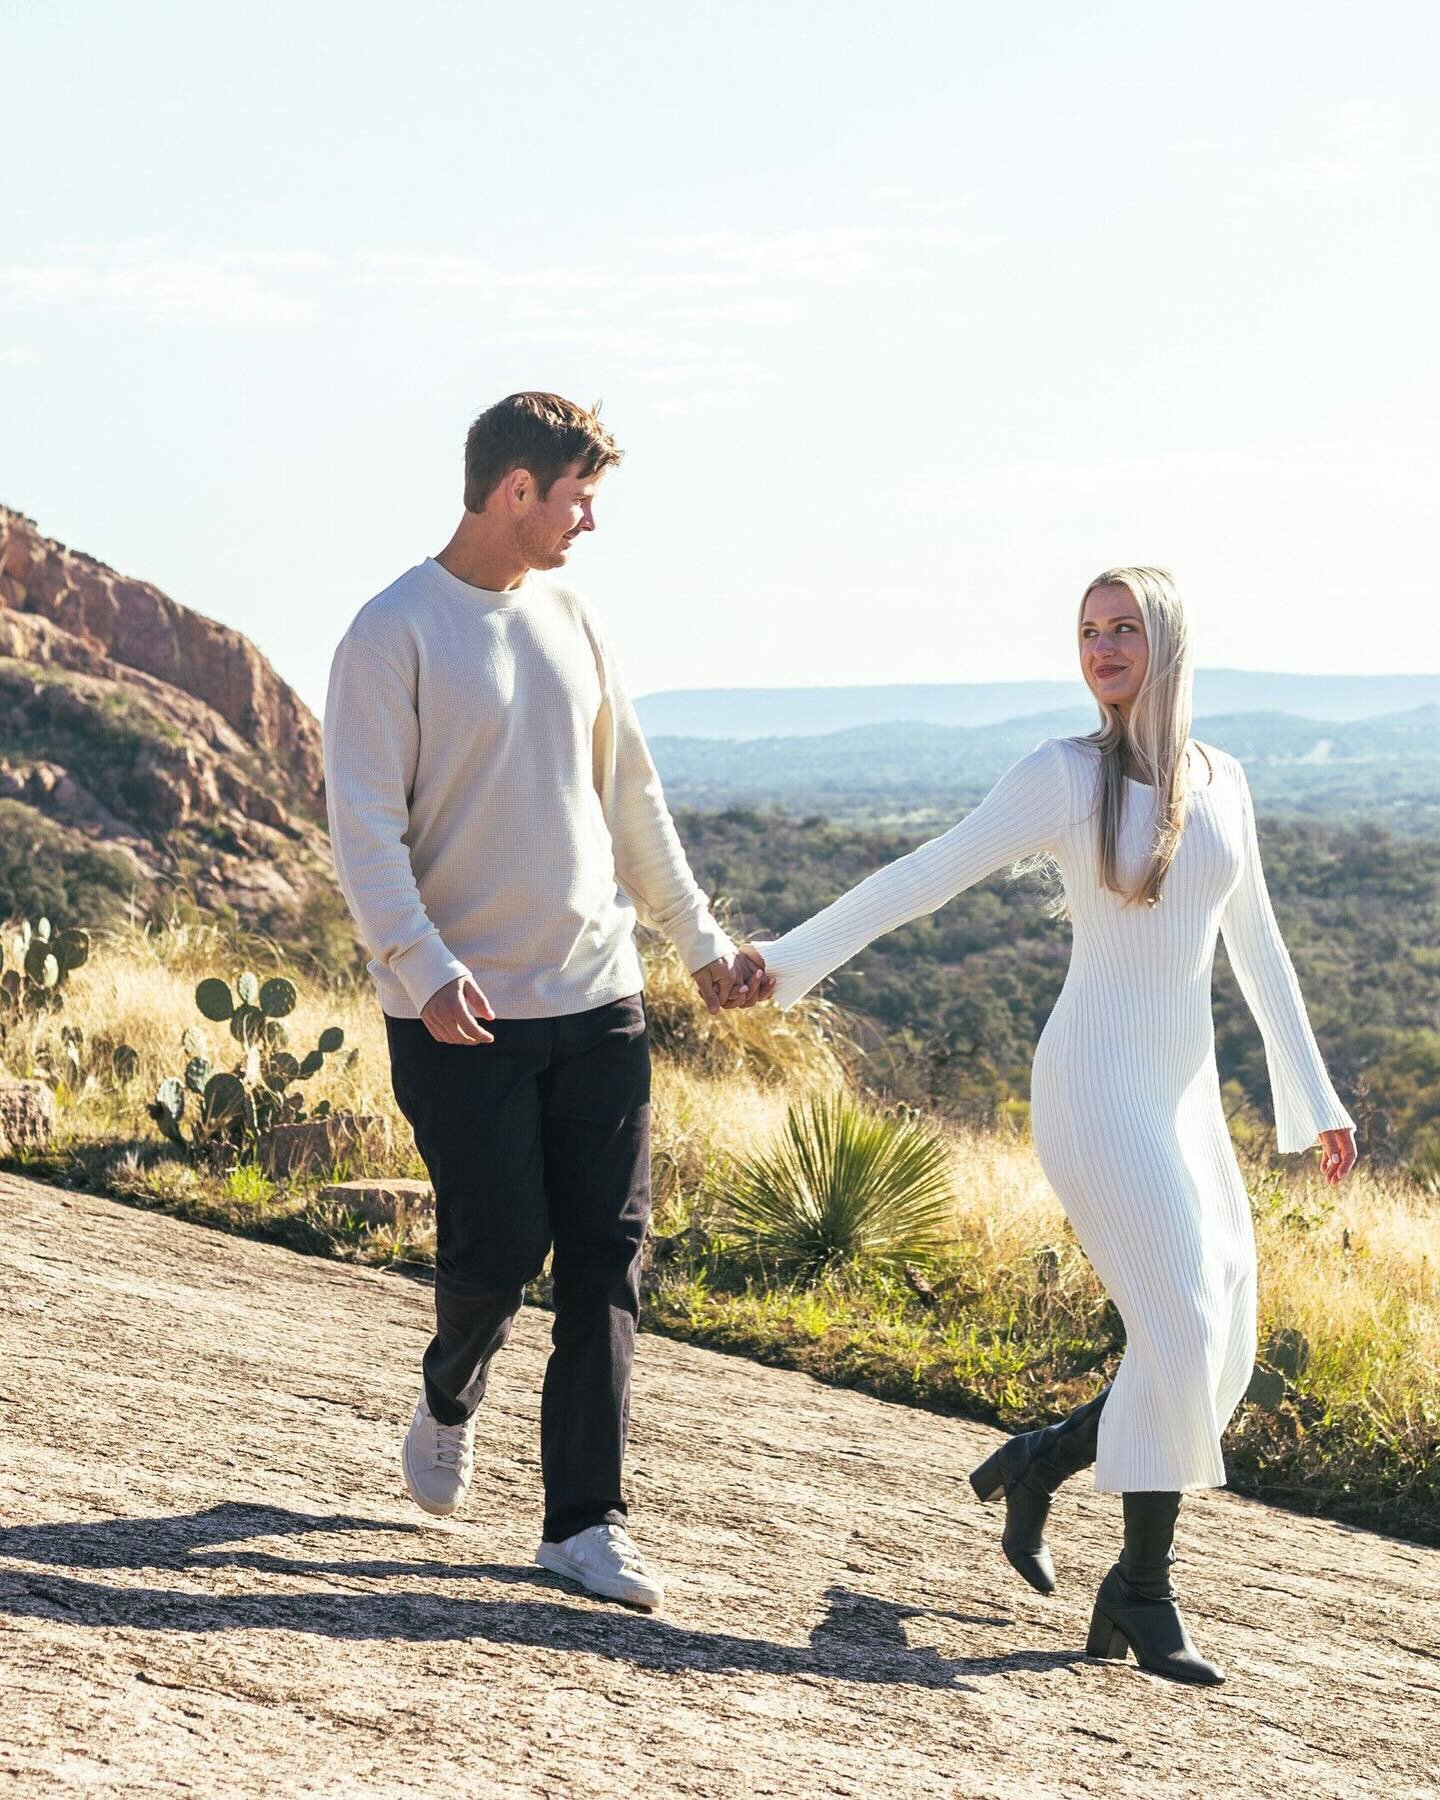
(1126, 1108)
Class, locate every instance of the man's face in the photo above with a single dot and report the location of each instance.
(546, 528)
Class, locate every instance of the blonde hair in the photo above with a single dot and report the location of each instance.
(1156, 736)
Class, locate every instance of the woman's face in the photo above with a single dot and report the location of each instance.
(1114, 651)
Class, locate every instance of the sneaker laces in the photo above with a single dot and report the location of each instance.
(451, 1443)
(627, 1551)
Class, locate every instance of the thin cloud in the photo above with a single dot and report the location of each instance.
(17, 356)
(682, 300)
(686, 300)
(204, 287)
(1363, 142)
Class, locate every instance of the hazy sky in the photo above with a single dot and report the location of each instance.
(910, 317)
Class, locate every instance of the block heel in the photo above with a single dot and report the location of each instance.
(988, 1480)
(1106, 1639)
(1026, 1471)
(1135, 1608)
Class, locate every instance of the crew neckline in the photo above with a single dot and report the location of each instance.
(1148, 787)
(1201, 788)
(467, 591)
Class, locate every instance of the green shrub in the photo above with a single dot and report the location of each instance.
(845, 1184)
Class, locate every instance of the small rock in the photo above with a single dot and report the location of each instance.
(27, 1114)
(315, 1143)
(392, 1201)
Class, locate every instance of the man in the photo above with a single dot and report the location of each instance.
(496, 823)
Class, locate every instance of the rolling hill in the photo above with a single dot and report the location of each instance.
(801, 711)
(1385, 770)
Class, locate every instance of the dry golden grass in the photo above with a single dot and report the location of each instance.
(802, 1049)
(138, 988)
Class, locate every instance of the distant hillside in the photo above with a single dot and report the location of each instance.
(800, 712)
(148, 755)
(1385, 770)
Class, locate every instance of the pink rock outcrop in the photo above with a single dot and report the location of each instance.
(131, 723)
(132, 624)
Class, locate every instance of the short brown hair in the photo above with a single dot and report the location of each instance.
(539, 432)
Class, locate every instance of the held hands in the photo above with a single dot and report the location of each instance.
(728, 985)
(1337, 1155)
(453, 1013)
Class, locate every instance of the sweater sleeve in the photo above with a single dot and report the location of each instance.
(1305, 1101)
(650, 863)
(372, 742)
(1024, 813)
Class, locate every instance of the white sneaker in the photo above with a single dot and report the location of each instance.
(604, 1559)
(438, 1461)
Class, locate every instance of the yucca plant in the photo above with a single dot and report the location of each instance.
(843, 1183)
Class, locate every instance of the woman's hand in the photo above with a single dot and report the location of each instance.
(752, 984)
(1337, 1155)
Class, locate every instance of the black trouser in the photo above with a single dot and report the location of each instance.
(541, 1138)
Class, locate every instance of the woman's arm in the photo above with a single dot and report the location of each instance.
(1024, 812)
(1306, 1104)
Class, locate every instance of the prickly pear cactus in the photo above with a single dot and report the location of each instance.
(237, 1105)
(35, 961)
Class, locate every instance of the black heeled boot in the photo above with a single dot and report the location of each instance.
(1135, 1608)
(1027, 1471)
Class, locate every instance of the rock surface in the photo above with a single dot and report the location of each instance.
(290, 1149)
(382, 1202)
(27, 1114)
(211, 1582)
(134, 725)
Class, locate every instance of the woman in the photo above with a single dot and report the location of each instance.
(1154, 838)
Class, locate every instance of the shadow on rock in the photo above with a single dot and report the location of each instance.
(861, 1637)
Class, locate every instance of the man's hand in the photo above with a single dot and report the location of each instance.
(453, 1013)
(739, 983)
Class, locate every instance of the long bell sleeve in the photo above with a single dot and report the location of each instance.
(1305, 1100)
(1023, 814)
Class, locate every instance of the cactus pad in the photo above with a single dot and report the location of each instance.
(170, 1096)
(214, 999)
(71, 947)
(247, 1024)
(278, 998)
(1267, 1387)
(41, 965)
(224, 1099)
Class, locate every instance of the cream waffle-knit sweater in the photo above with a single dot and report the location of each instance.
(493, 806)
